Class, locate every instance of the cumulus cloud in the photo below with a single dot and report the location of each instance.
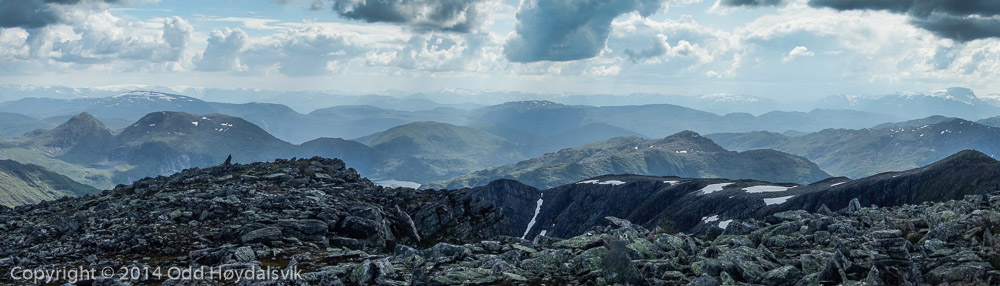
(799, 51)
(565, 30)
(300, 52)
(421, 15)
(223, 50)
(741, 3)
(103, 38)
(961, 21)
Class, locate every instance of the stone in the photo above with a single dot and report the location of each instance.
(265, 234)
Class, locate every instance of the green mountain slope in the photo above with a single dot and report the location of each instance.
(28, 184)
(684, 154)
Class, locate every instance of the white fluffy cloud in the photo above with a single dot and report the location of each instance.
(798, 51)
(223, 51)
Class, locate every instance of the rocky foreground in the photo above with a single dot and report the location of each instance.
(322, 221)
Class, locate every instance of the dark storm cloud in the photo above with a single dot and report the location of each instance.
(27, 14)
(421, 15)
(738, 3)
(566, 30)
(960, 20)
(30, 14)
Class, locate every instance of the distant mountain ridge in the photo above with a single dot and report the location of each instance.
(542, 118)
(889, 147)
(686, 154)
(954, 102)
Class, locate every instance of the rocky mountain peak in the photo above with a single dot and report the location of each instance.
(81, 128)
(284, 212)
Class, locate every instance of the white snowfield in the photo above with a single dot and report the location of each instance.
(710, 218)
(599, 182)
(765, 189)
(713, 188)
(725, 224)
(838, 184)
(777, 201)
(671, 182)
(538, 208)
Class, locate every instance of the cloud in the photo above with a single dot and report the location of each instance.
(658, 48)
(421, 15)
(223, 50)
(961, 21)
(103, 38)
(750, 3)
(28, 14)
(32, 14)
(300, 52)
(568, 30)
(799, 51)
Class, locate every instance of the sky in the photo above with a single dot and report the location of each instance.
(779, 49)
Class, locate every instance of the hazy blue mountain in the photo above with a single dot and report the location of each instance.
(451, 150)
(953, 102)
(992, 121)
(543, 118)
(684, 154)
(129, 105)
(81, 140)
(863, 152)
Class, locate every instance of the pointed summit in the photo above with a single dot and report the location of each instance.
(81, 139)
(83, 120)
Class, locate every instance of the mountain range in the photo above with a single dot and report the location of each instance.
(683, 154)
(353, 121)
(889, 147)
(955, 102)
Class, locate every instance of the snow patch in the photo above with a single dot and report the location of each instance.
(598, 182)
(709, 219)
(195, 123)
(393, 183)
(543, 232)
(681, 151)
(713, 188)
(725, 224)
(538, 209)
(151, 125)
(671, 182)
(765, 189)
(777, 201)
(838, 184)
